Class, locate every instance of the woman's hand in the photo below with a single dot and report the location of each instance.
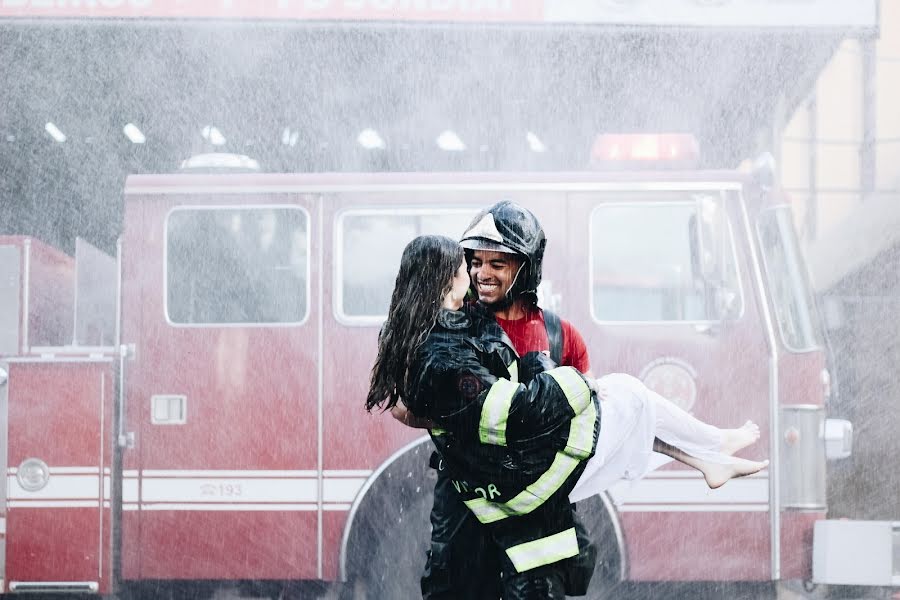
(402, 414)
(597, 387)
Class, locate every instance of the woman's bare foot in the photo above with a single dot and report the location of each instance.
(717, 474)
(736, 439)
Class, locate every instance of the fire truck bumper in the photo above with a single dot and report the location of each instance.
(54, 587)
(857, 553)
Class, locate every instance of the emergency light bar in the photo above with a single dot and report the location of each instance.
(639, 150)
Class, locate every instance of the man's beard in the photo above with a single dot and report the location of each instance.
(501, 304)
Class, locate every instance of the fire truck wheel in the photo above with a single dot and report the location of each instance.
(389, 536)
(167, 590)
(607, 579)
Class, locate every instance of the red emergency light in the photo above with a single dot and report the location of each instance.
(658, 150)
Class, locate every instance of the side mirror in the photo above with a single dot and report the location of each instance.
(727, 303)
(710, 256)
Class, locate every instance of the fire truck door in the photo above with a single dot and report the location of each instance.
(370, 230)
(57, 451)
(223, 391)
(670, 298)
(369, 234)
(4, 462)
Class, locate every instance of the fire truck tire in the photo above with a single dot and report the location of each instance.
(389, 533)
(599, 519)
(167, 590)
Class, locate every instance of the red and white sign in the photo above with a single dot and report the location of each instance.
(704, 13)
(352, 10)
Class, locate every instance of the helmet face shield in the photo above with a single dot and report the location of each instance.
(489, 245)
(510, 228)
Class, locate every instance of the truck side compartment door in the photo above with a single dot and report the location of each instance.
(57, 421)
(223, 390)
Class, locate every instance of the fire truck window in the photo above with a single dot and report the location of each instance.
(788, 281)
(237, 265)
(9, 297)
(371, 244)
(642, 268)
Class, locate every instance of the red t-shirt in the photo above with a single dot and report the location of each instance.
(529, 334)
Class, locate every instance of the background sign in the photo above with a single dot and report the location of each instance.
(712, 13)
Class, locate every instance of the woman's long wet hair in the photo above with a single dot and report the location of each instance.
(427, 268)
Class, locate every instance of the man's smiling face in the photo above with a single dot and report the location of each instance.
(493, 273)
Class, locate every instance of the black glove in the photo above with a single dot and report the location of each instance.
(533, 363)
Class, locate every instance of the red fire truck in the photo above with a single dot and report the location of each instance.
(190, 414)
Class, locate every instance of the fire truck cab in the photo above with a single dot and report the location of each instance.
(200, 419)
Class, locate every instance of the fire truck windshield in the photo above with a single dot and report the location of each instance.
(788, 281)
(643, 267)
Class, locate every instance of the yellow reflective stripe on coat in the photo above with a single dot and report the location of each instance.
(531, 497)
(580, 442)
(544, 551)
(579, 446)
(540, 491)
(573, 386)
(486, 511)
(581, 434)
(495, 412)
(513, 370)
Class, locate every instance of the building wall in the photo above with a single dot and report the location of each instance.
(820, 146)
(822, 141)
(852, 239)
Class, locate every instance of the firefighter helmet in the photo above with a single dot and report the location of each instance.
(508, 227)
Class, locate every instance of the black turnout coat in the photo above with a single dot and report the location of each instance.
(514, 451)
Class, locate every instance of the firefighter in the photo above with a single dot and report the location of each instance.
(514, 455)
(522, 465)
(504, 248)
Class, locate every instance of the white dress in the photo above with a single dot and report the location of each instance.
(631, 416)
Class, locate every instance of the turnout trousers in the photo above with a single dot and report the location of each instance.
(465, 562)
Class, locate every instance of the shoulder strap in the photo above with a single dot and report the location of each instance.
(554, 334)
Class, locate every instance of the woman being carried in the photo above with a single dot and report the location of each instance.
(517, 450)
